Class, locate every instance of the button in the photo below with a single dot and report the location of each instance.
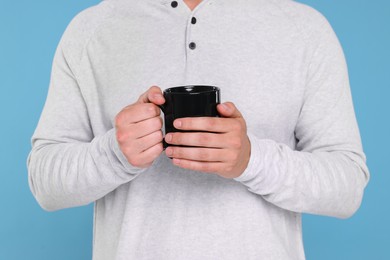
(193, 20)
(174, 4)
(192, 45)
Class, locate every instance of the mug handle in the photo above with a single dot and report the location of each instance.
(165, 145)
(162, 107)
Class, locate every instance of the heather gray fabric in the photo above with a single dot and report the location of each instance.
(278, 61)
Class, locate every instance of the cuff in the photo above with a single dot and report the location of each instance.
(119, 156)
(255, 164)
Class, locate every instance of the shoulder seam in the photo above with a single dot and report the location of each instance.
(293, 20)
(76, 62)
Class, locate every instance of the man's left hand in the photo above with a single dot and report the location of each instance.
(221, 146)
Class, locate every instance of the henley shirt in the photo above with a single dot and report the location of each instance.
(278, 61)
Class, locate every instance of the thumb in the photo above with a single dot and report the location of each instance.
(228, 109)
(152, 95)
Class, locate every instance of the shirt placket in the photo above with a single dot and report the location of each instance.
(193, 30)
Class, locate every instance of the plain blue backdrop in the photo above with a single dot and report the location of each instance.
(29, 33)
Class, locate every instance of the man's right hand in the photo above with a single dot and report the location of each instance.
(138, 129)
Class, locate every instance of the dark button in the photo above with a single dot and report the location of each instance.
(193, 20)
(192, 45)
(174, 4)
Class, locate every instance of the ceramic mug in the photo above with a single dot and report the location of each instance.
(189, 101)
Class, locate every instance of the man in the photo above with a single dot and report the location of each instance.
(287, 143)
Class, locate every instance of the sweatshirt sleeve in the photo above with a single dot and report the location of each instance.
(68, 166)
(326, 174)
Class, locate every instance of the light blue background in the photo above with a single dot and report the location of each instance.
(29, 33)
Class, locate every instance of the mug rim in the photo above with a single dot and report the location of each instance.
(173, 90)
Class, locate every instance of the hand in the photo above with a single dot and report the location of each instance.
(224, 149)
(138, 129)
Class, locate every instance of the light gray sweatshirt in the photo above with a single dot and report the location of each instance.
(278, 61)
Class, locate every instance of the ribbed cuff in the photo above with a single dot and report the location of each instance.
(255, 163)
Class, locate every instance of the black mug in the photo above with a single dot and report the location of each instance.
(189, 101)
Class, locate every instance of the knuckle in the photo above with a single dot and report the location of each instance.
(203, 139)
(156, 123)
(155, 151)
(228, 168)
(151, 109)
(159, 135)
(135, 161)
(234, 157)
(142, 96)
(158, 149)
(176, 138)
(236, 143)
(204, 167)
(121, 136)
(138, 146)
(177, 152)
(211, 123)
(126, 150)
(148, 106)
(119, 119)
(237, 126)
(154, 89)
(203, 155)
(186, 123)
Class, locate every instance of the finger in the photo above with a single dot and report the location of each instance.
(207, 167)
(228, 109)
(147, 127)
(149, 155)
(198, 154)
(199, 139)
(208, 124)
(144, 143)
(136, 113)
(139, 130)
(152, 95)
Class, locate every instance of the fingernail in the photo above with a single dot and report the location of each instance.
(168, 151)
(227, 108)
(176, 161)
(157, 96)
(177, 123)
(168, 138)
